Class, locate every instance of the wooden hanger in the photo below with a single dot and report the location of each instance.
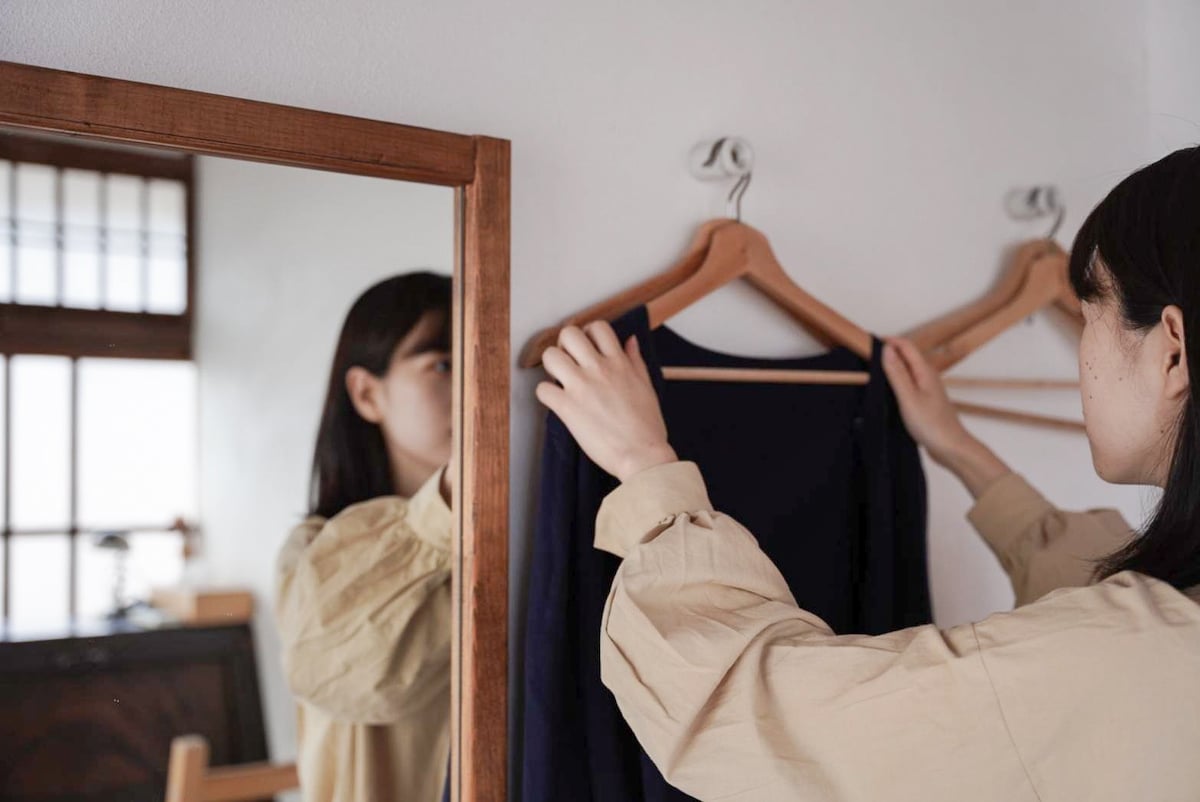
(1045, 284)
(934, 337)
(723, 250)
(736, 248)
(1009, 384)
(726, 258)
(1015, 416)
(930, 335)
(1036, 278)
(1024, 204)
(612, 308)
(740, 251)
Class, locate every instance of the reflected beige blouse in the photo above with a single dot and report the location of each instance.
(363, 607)
(1084, 692)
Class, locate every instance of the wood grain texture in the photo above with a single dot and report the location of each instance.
(766, 375)
(127, 111)
(480, 771)
(63, 331)
(108, 706)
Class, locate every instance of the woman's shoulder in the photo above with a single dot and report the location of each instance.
(359, 520)
(1080, 664)
(366, 514)
(1127, 602)
(1134, 589)
(424, 517)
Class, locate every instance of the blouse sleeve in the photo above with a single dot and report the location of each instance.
(1041, 547)
(364, 607)
(738, 694)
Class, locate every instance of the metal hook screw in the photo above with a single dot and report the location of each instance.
(735, 195)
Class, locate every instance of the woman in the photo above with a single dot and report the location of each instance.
(363, 600)
(1086, 691)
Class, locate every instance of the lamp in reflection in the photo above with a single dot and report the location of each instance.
(118, 544)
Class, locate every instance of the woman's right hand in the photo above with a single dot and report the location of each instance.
(927, 410)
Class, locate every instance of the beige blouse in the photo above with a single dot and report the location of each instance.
(1082, 693)
(363, 607)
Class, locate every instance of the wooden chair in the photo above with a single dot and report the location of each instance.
(189, 778)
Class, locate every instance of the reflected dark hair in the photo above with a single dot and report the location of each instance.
(1141, 247)
(350, 462)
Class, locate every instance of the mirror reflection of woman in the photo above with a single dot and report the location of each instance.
(363, 584)
(1086, 691)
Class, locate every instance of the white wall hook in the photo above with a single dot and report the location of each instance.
(1034, 203)
(727, 157)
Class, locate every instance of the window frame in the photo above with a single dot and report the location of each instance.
(65, 331)
(40, 330)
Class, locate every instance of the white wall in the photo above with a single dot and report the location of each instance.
(283, 254)
(886, 132)
(1174, 74)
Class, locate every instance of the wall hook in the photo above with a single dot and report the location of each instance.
(719, 159)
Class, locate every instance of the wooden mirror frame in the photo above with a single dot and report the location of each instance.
(478, 168)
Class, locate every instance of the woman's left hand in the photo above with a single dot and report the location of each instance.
(606, 399)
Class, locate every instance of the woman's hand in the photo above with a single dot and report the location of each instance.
(606, 399)
(932, 420)
(927, 411)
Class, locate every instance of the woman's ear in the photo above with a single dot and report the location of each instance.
(1175, 363)
(363, 389)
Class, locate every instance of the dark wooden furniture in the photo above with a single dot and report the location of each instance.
(479, 170)
(90, 718)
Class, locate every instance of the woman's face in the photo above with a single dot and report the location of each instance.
(411, 402)
(417, 396)
(1130, 384)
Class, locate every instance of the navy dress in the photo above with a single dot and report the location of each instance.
(826, 477)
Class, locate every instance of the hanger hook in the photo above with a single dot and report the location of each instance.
(1045, 200)
(735, 195)
(1058, 221)
(1038, 202)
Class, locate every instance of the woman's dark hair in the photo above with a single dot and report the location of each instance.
(1141, 247)
(350, 462)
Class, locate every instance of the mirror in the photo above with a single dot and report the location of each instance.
(227, 405)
